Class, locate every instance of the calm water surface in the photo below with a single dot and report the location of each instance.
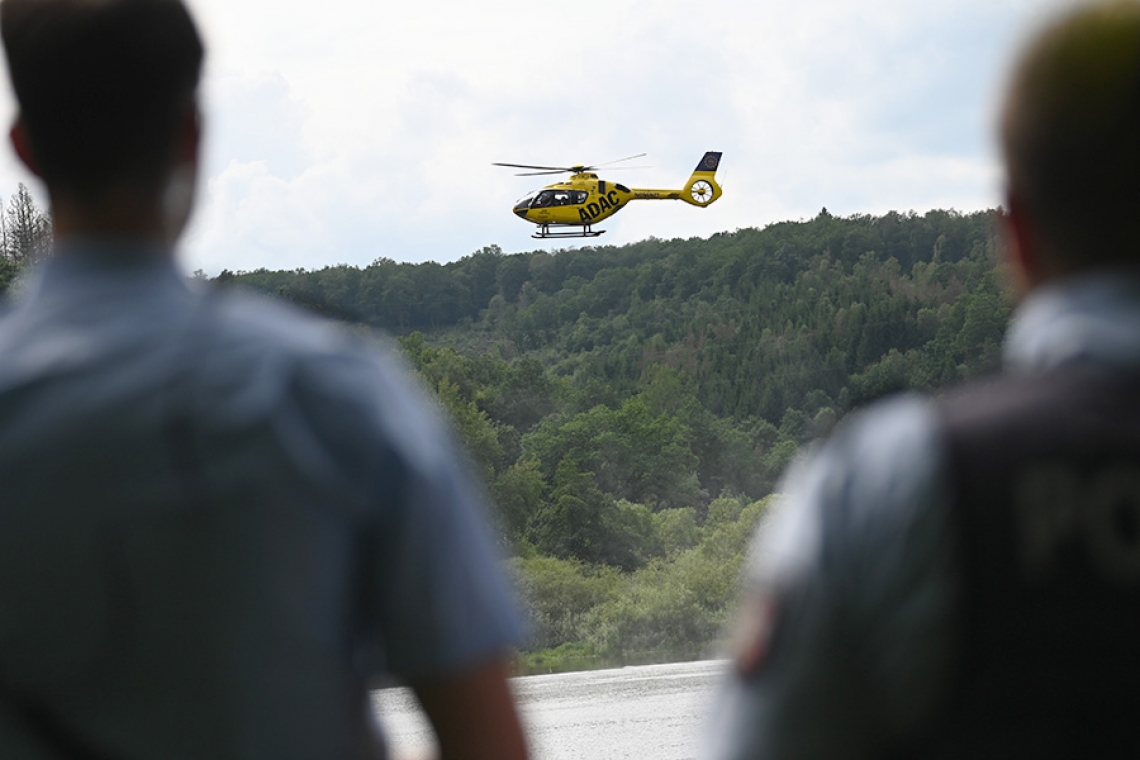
(654, 712)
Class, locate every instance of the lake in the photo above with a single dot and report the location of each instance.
(651, 712)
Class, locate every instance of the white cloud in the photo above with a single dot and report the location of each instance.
(353, 130)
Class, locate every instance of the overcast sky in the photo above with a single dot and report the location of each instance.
(350, 130)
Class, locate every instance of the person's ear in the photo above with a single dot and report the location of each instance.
(189, 137)
(1022, 256)
(181, 185)
(23, 146)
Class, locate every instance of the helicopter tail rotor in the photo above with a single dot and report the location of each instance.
(702, 188)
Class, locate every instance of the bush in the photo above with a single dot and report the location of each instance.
(675, 607)
(558, 593)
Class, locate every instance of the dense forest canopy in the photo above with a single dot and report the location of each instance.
(673, 371)
(631, 408)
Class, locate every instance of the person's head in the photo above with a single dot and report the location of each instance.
(1070, 134)
(106, 92)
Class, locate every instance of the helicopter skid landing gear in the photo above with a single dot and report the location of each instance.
(585, 232)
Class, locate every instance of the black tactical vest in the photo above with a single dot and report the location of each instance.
(1047, 502)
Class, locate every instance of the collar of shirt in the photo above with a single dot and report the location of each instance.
(103, 267)
(1094, 317)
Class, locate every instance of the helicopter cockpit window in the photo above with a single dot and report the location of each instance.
(524, 202)
(543, 199)
(547, 198)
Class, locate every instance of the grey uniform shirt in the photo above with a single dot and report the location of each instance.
(858, 559)
(220, 520)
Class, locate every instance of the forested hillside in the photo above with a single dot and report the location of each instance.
(669, 372)
(631, 408)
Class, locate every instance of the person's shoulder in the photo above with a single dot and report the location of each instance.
(250, 335)
(255, 356)
(347, 380)
(894, 463)
(887, 446)
(887, 427)
(879, 476)
(257, 324)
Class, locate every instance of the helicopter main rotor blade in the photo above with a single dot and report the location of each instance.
(544, 170)
(619, 160)
(531, 166)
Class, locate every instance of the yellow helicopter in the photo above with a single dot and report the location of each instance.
(584, 200)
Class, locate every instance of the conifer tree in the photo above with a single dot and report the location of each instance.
(26, 230)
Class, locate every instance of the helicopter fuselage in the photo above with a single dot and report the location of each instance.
(582, 199)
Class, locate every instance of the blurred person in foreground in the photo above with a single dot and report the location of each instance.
(961, 577)
(220, 521)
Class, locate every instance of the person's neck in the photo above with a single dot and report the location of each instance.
(122, 217)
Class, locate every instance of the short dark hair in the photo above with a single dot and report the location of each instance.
(1071, 136)
(102, 86)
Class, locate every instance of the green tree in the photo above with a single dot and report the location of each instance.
(476, 430)
(518, 494)
(8, 273)
(574, 524)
